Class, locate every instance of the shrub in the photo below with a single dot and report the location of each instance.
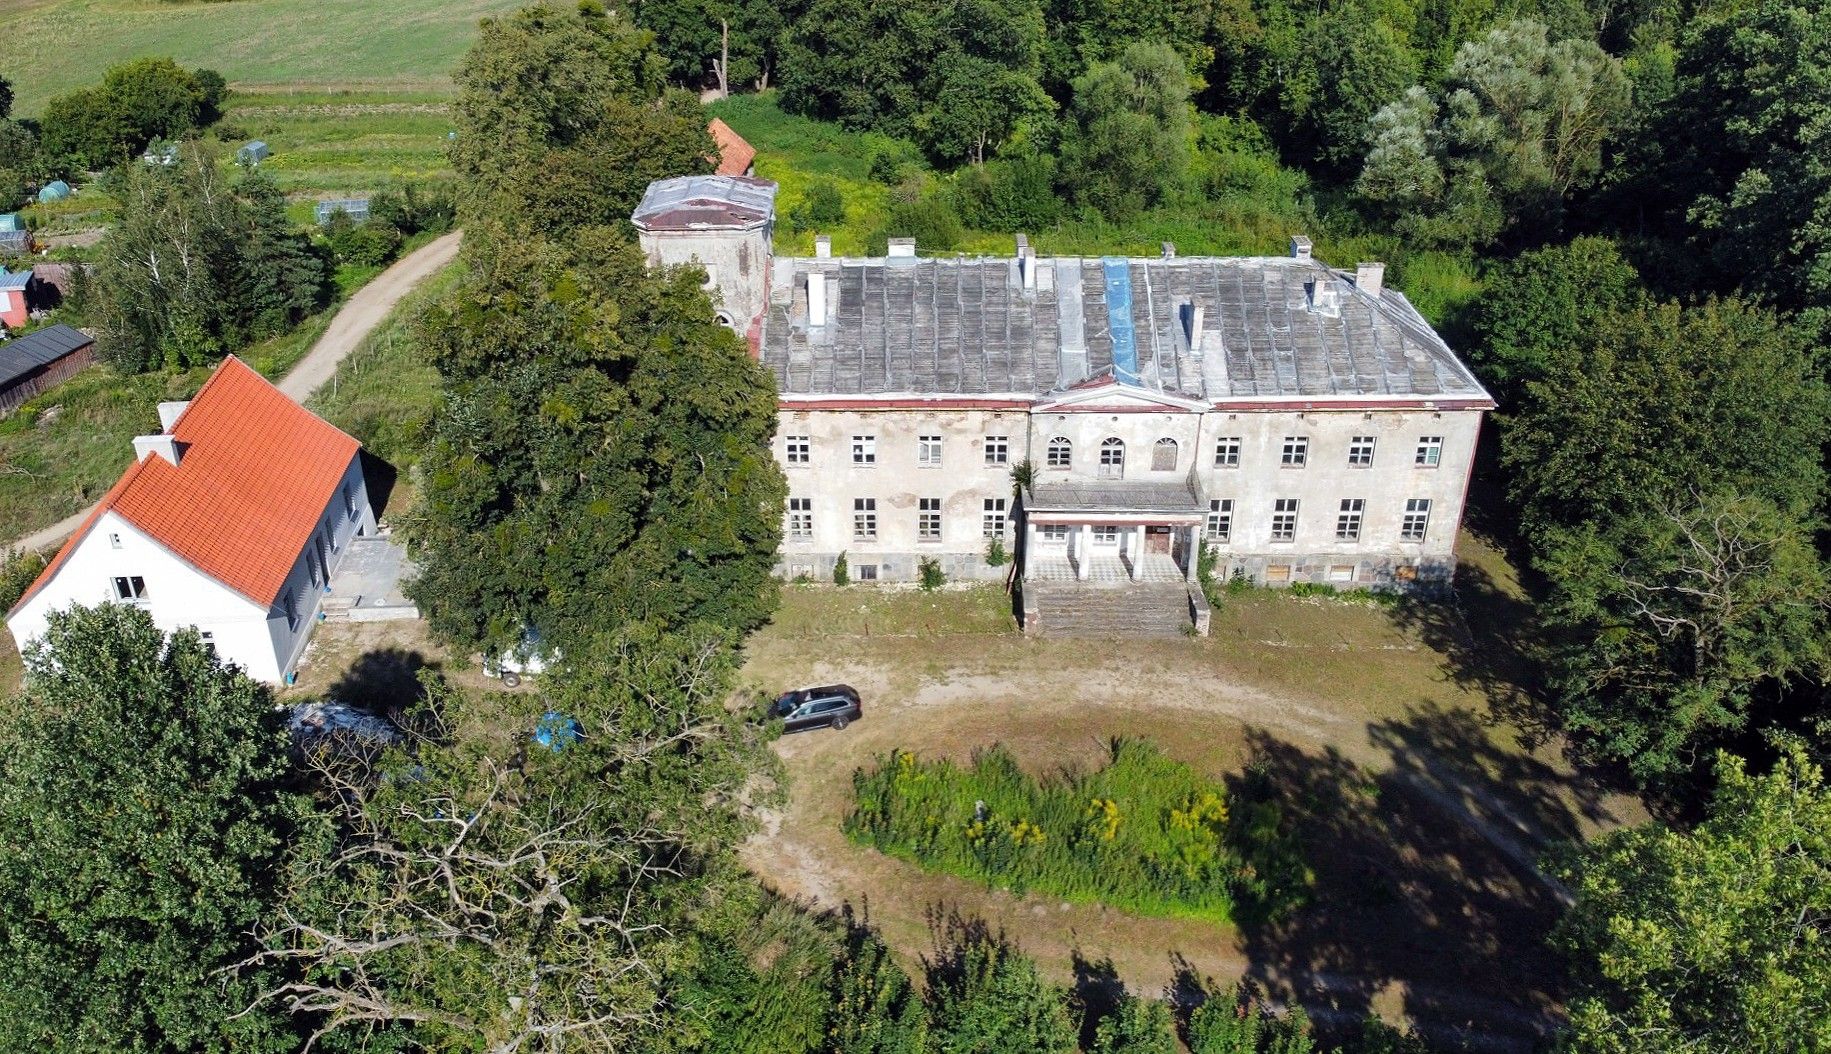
(842, 574)
(995, 554)
(823, 206)
(18, 570)
(1230, 1021)
(1311, 589)
(986, 997)
(929, 219)
(1144, 834)
(932, 576)
(1136, 1026)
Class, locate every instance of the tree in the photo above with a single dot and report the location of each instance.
(136, 103)
(1542, 302)
(144, 829)
(194, 269)
(695, 35)
(1661, 400)
(1136, 1026)
(1743, 139)
(602, 454)
(876, 1009)
(1353, 63)
(1675, 616)
(557, 119)
(1128, 140)
(985, 997)
(1523, 120)
(1711, 939)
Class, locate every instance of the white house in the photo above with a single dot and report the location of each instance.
(231, 519)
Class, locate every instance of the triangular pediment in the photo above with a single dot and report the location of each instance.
(1105, 392)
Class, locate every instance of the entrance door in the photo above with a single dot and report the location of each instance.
(1157, 540)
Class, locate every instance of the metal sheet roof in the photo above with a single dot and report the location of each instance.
(15, 279)
(1108, 495)
(705, 203)
(22, 355)
(966, 326)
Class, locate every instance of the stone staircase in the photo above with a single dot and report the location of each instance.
(1138, 610)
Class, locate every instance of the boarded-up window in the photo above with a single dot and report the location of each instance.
(1163, 456)
(1341, 572)
(1279, 573)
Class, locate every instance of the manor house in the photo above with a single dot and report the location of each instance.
(1304, 421)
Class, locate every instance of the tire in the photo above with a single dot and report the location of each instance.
(839, 724)
(511, 679)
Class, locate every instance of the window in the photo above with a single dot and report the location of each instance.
(311, 565)
(801, 519)
(1106, 535)
(130, 588)
(1163, 455)
(994, 521)
(1227, 452)
(928, 451)
(114, 539)
(1054, 533)
(1341, 572)
(209, 642)
(1417, 520)
(865, 572)
(330, 534)
(864, 450)
(1220, 519)
(1061, 453)
(928, 519)
(1360, 452)
(349, 500)
(1112, 459)
(1278, 573)
(1430, 451)
(997, 450)
(1296, 451)
(864, 519)
(1348, 523)
(1284, 520)
(800, 450)
(290, 605)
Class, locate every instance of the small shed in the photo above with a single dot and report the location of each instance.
(56, 190)
(13, 286)
(52, 284)
(11, 222)
(39, 361)
(252, 153)
(161, 154)
(15, 242)
(357, 209)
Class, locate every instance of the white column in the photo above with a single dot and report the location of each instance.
(1137, 551)
(1192, 552)
(1083, 547)
(1029, 547)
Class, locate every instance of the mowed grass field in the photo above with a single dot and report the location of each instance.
(51, 46)
(329, 143)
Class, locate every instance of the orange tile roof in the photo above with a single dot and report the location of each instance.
(734, 154)
(255, 471)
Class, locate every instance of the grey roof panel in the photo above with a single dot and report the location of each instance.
(22, 355)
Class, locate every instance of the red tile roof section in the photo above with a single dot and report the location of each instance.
(734, 154)
(255, 471)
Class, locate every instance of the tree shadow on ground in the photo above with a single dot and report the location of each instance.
(388, 681)
(1425, 899)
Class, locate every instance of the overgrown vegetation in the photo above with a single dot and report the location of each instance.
(1144, 833)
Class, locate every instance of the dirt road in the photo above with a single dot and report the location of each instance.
(358, 316)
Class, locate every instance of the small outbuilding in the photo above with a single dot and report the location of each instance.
(38, 362)
(52, 284)
(735, 156)
(252, 153)
(56, 190)
(357, 209)
(11, 222)
(13, 286)
(15, 243)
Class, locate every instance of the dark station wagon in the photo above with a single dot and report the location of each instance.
(833, 706)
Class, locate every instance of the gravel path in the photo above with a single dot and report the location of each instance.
(354, 321)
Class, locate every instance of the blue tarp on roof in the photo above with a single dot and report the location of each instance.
(1118, 272)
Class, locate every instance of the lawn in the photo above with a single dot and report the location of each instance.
(51, 46)
(340, 143)
(1419, 801)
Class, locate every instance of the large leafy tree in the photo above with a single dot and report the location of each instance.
(1742, 144)
(136, 103)
(1541, 303)
(958, 76)
(986, 997)
(1522, 122)
(144, 827)
(696, 35)
(1127, 143)
(558, 122)
(602, 454)
(1675, 617)
(1712, 939)
(196, 267)
(1660, 400)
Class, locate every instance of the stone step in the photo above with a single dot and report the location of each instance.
(1139, 611)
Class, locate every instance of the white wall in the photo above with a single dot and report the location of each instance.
(738, 262)
(178, 595)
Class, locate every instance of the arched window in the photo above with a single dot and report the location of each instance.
(1163, 455)
(1061, 453)
(725, 319)
(1112, 459)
